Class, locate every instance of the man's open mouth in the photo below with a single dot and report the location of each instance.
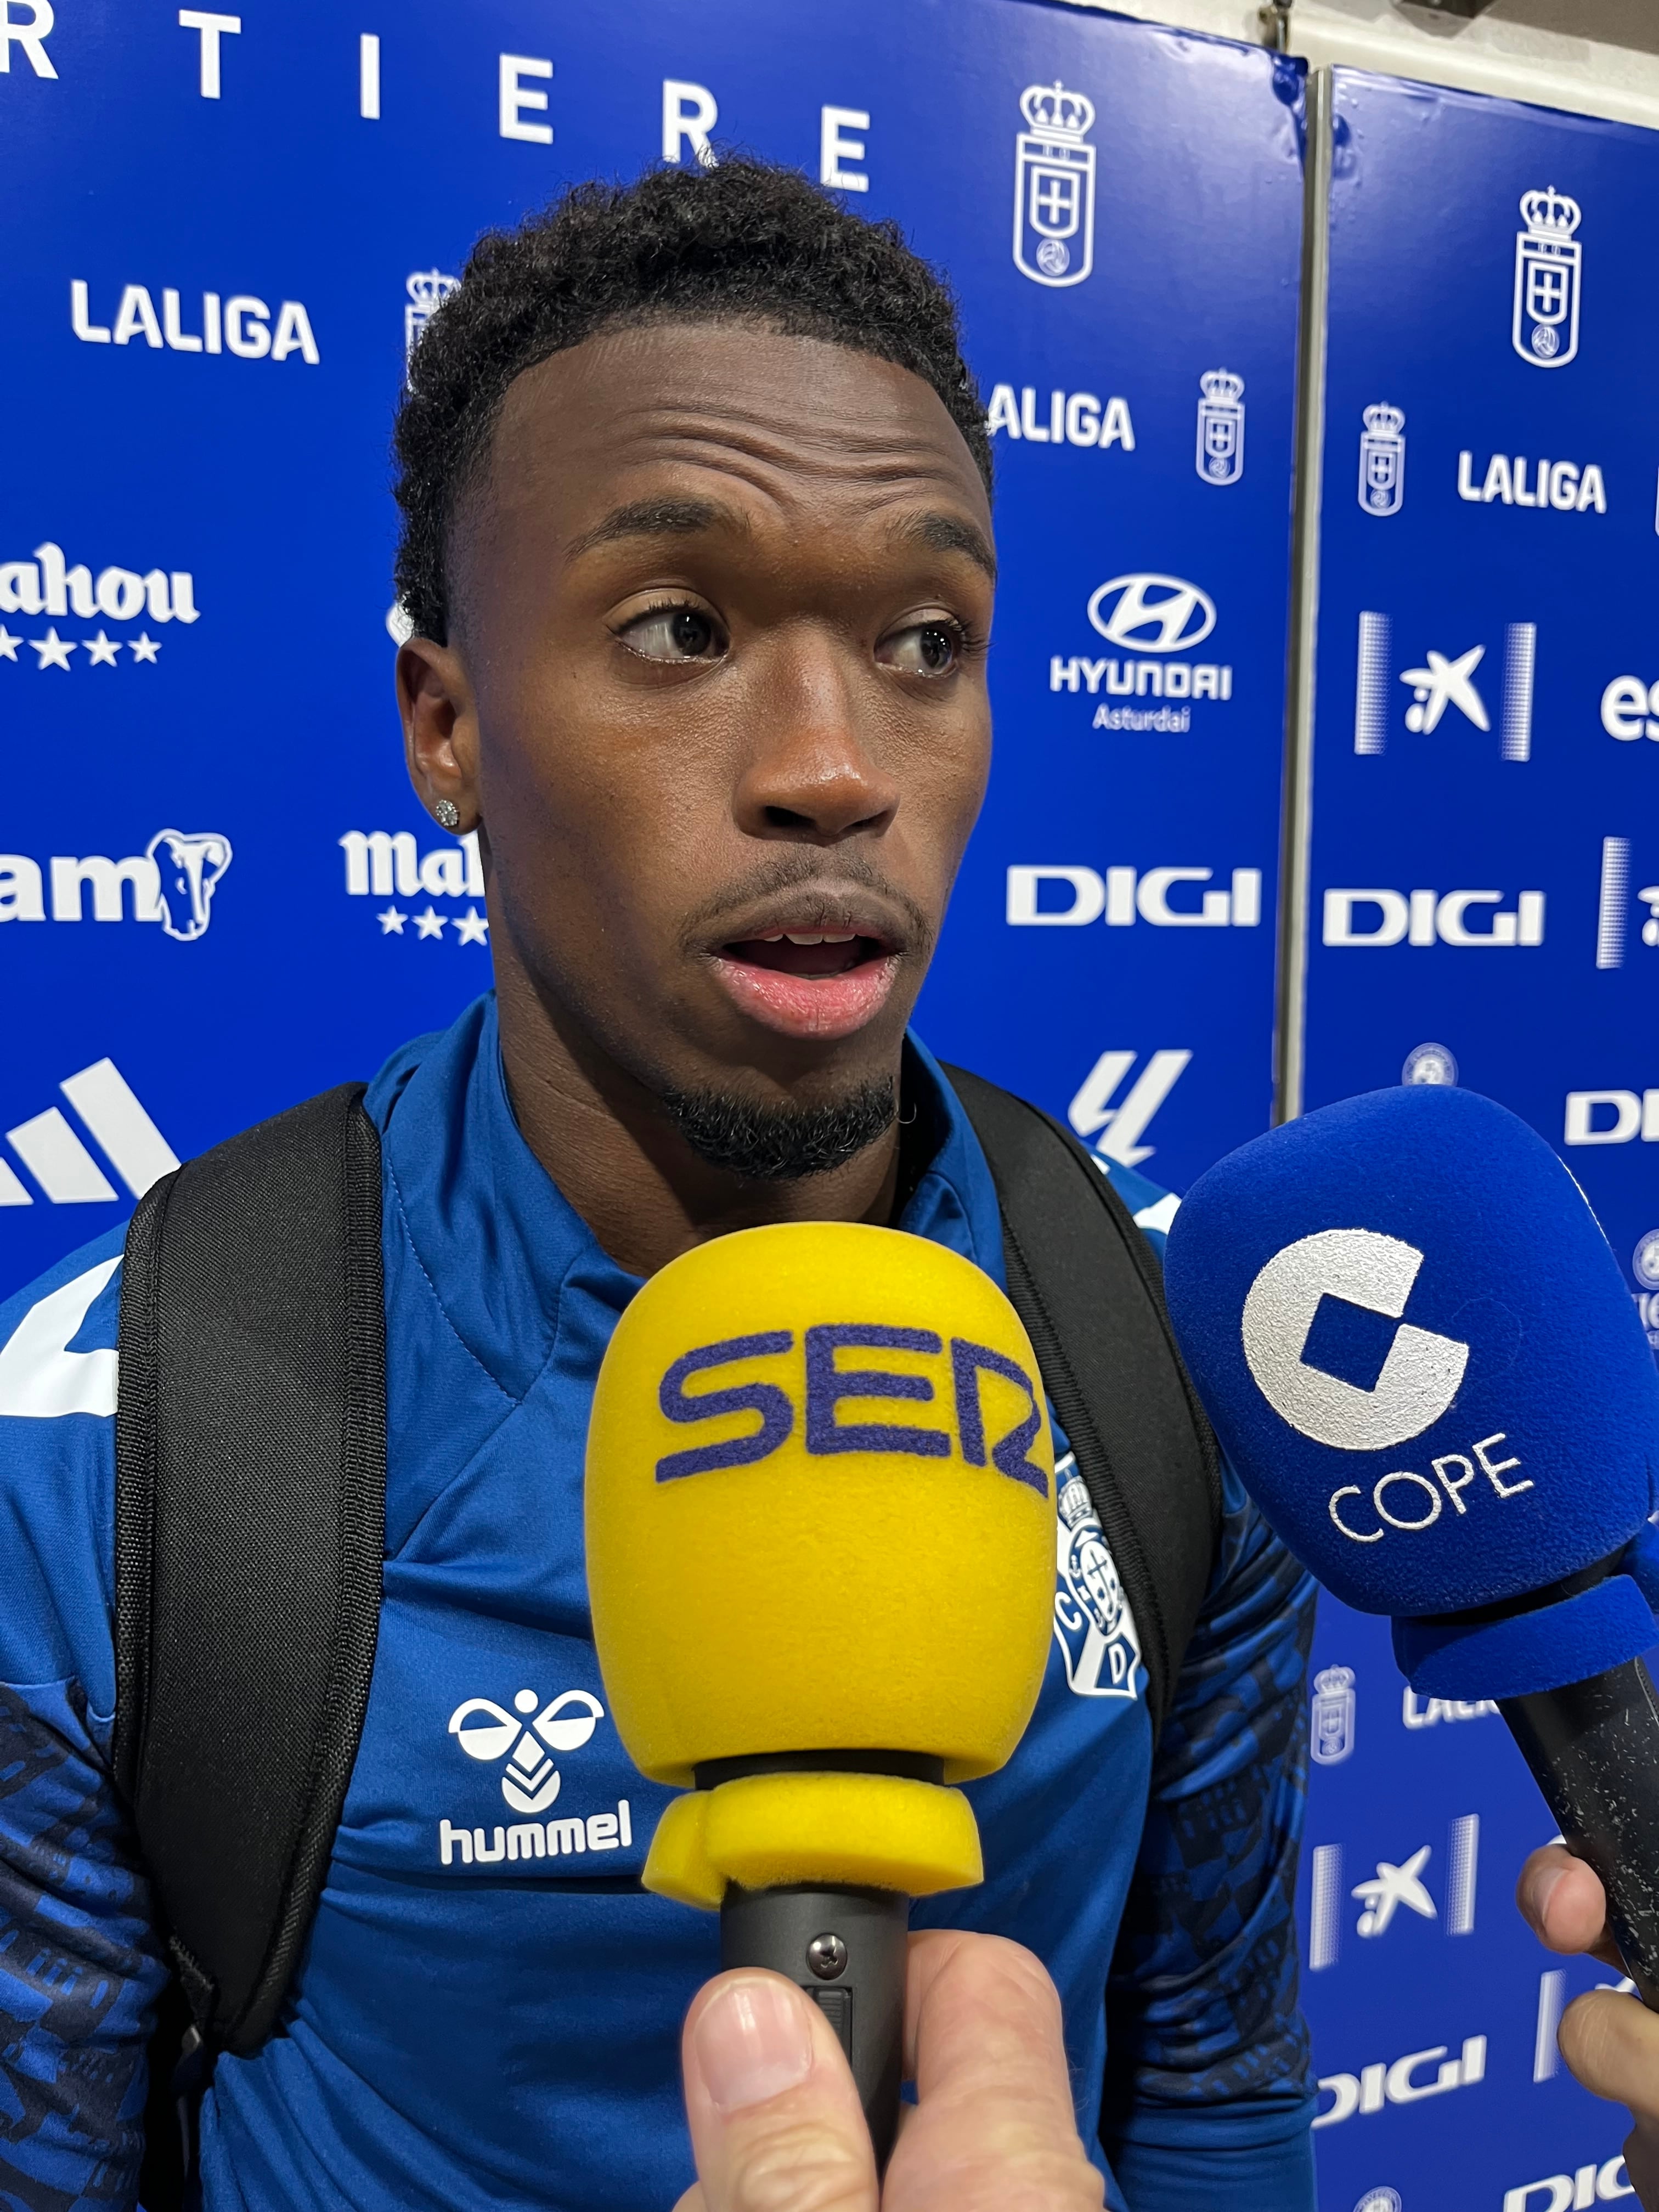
(807, 952)
(820, 984)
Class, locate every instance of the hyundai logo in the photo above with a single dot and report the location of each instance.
(1153, 614)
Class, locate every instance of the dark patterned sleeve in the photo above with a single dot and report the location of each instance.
(80, 1967)
(1207, 2068)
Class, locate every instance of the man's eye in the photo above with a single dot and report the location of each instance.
(674, 633)
(931, 648)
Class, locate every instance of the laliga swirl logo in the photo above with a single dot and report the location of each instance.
(532, 1782)
(1419, 1378)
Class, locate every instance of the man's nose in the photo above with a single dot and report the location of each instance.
(812, 776)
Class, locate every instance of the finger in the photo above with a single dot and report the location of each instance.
(1564, 1904)
(994, 2127)
(1611, 2043)
(776, 2120)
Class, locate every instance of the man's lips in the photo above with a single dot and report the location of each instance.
(808, 982)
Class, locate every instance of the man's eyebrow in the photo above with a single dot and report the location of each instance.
(949, 533)
(655, 518)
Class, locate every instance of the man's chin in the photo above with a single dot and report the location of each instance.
(818, 1008)
(781, 1141)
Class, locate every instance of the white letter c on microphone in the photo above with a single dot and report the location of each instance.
(1419, 1378)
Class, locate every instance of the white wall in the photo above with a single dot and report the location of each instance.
(1599, 56)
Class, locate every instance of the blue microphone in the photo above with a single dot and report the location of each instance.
(1420, 1355)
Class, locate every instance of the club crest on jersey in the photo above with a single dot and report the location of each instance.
(1093, 1625)
(1054, 187)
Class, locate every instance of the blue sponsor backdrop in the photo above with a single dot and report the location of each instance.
(222, 240)
(1486, 817)
(219, 258)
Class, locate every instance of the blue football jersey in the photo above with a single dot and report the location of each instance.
(488, 2010)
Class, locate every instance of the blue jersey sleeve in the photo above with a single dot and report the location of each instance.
(1208, 2096)
(81, 1967)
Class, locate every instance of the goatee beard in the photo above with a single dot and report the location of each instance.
(781, 1144)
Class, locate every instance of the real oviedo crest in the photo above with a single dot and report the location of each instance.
(1054, 187)
(1382, 460)
(1093, 1625)
(1220, 456)
(1548, 279)
(1331, 1738)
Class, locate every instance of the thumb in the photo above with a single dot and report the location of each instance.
(775, 2119)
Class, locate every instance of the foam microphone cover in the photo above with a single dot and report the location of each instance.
(820, 1520)
(1420, 1355)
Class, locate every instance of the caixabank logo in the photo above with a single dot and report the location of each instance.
(1452, 687)
(48, 589)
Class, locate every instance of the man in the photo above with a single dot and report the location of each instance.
(698, 555)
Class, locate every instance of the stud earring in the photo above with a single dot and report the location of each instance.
(447, 812)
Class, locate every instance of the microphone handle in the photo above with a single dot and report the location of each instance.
(846, 1948)
(1593, 1750)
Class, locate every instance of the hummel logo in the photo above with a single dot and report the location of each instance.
(531, 1783)
(55, 1156)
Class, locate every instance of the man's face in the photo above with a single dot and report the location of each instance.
(722, 606)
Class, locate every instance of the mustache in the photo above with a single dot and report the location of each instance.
(821, 888)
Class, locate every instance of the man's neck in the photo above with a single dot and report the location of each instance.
(621, 1163)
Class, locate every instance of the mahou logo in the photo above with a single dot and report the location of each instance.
(48, 584)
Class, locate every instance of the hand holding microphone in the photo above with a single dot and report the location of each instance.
(1421, 1358)
(820, 1554)
(775, 2118)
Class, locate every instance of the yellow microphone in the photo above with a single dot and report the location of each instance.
(820, 1509)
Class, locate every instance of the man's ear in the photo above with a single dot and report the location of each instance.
(435, 700)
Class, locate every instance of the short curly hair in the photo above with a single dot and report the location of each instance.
(741, 241)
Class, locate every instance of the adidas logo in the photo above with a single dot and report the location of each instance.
(49, 1147)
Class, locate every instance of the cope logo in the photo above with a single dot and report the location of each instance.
(1419, 1379)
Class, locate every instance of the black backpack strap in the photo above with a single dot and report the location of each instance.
(250, 1522)
(1086, 1284)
